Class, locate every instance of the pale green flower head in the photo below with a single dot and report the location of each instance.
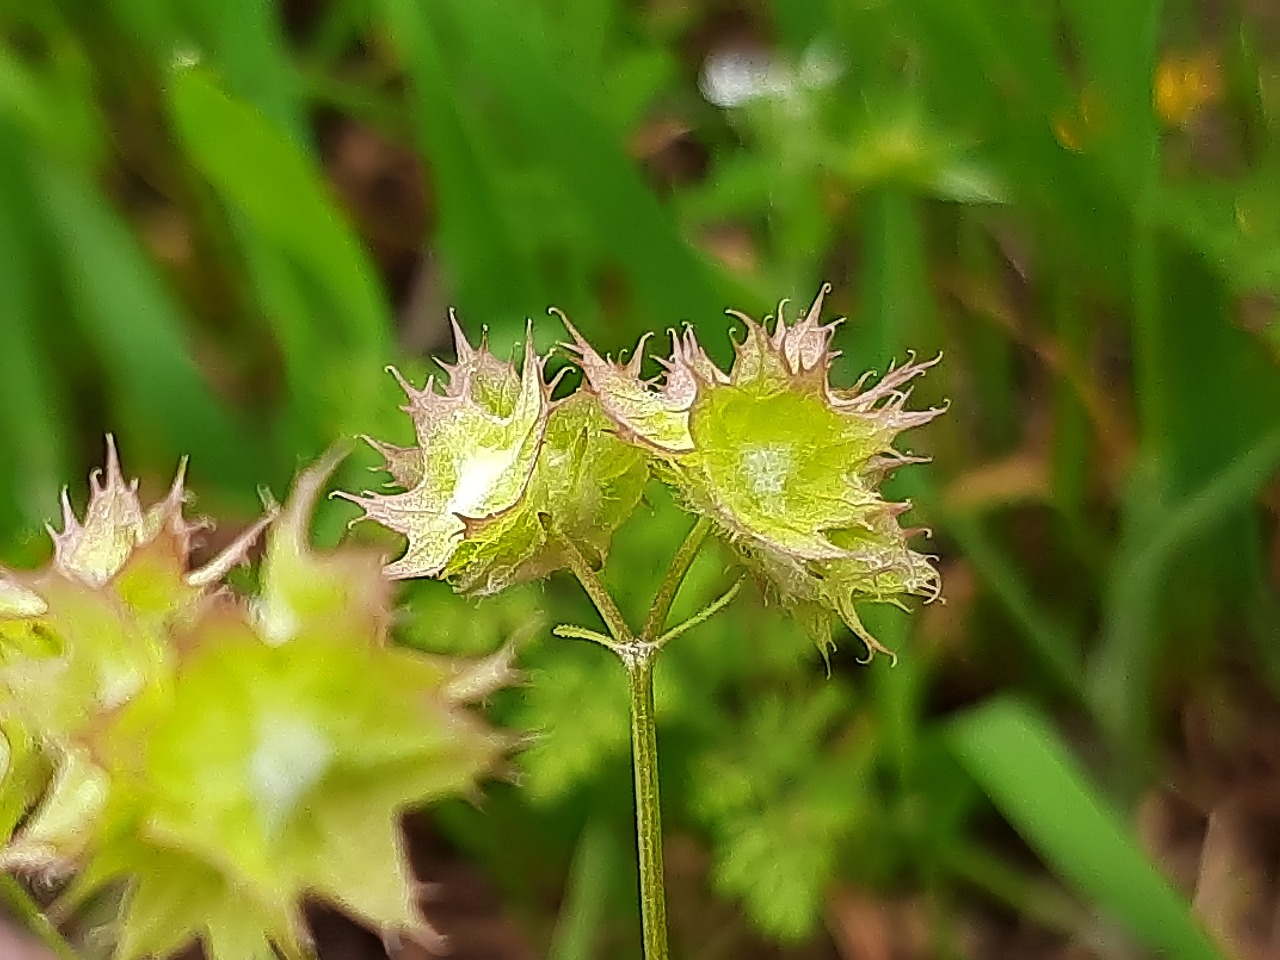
(215, 762)
(115, 526)
(87, 629)
(788, 466)
(477, 442)
(86, 635)
(496, 457)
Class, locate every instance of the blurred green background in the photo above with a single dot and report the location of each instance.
(221, 219)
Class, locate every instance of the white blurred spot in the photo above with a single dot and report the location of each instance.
(16, 601)
(184, 58)
(276, 619)
(290, 758)
(476, 476)
(117, 683)
(734, 76)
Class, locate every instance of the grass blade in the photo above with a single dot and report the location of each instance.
(475, 233)
(137, 329)
(259, 170)
(1028, 773)
(667, 277)
(32, 425)
(582, 915)
(1122, 681)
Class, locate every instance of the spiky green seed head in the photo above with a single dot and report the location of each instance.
(83, 635)
(81, 638)
(494, 453)
(788, 466)
(217, 760)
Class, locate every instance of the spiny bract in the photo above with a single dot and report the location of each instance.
(788, 466)
(214, 760)
(495, 458)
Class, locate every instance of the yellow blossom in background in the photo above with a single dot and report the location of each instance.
(1078, 125)
(1184, 85)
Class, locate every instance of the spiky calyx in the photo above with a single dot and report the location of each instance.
(83, 635)
(87, 634)
(494, 455)
(787, 465)
(218, 759)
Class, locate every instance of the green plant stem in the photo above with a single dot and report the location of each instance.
(638, 658)
(1031, 898)
(676, 573)
(706, 613)
(28, 911)
(583, 914)
(568, 631)
(638, 655)
(592, 584)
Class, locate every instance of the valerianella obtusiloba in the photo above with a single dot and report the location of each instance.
(213, 759)
(788, 466)
(506, 484)
(497, 459)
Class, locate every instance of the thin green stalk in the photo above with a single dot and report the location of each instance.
(670, 586)
(1121, 682)
(569, 631)
(638, 655)
(1031, 898)
(638, 659)
(592, 584)
(706, 613)
(584, 911)
(28, 911)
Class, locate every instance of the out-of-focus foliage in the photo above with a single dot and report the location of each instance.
(220, 219)
(208, 762)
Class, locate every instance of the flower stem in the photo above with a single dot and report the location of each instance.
(28, 911)
(638, 659)
(591, 583)
(676, 573)
(706, 613)
(638, 655)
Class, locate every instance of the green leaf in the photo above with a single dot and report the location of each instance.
(781, 808)
(246, 41)
(138, 331)
(508, 49)
(583, 913)
(32, 418)
(576, 707)
(477, 234)
(437, 620)
(1121, 681)
(49, 102)
(1033, 780)
(257, 168)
